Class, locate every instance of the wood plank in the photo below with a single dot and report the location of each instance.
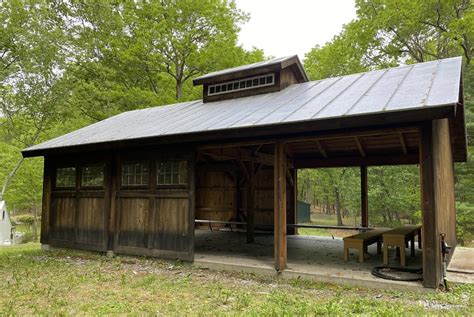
(46, 203)
(364, 197)
(280, 206)
(402, 143)
(348, 161)
(321, 149)
(444, 185)
(251, 203)
(359, 146)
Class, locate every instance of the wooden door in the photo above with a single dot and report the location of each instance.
(151, 218)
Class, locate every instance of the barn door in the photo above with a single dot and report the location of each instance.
(79, 200)
(154, 206)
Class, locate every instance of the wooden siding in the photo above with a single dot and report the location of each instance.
(132, 229)
(145, 220)
(63, 219)
(91, 218)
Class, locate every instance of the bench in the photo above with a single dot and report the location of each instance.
(399, 238)
(362, 240)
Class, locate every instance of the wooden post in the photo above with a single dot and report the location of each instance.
(431, 246)
(251, 203)
(364, 197)
(46, 207)
(280, 206)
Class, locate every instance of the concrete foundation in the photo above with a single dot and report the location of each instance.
(309, 257)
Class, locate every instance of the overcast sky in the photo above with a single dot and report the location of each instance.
(288, 27)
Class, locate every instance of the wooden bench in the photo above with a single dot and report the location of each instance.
(362, 240)
(399, 238)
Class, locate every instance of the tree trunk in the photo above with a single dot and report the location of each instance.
(10, 177)
(179, 89)
(338, 208)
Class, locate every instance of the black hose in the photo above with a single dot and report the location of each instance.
(417, 275)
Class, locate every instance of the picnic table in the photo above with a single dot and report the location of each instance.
(361, 241)
(399, 238)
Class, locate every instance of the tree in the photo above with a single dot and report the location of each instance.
(30, 83)
(141, 54)
(388, 33)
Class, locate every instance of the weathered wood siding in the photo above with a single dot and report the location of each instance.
(216, 193)
(222, 195)
(155, 220)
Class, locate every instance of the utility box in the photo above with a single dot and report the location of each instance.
(304, 212)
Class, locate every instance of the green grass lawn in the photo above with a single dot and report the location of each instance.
(73, 282)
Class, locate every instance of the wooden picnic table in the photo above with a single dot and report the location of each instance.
(360, 242)
(399, 238)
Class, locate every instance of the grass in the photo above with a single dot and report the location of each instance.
(73, 282)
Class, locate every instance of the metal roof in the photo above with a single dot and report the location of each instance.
(406, 88)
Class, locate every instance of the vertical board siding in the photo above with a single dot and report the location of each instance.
(215, 195)
(170, 225)
(90, 221)
(132, 230)
(63, 222)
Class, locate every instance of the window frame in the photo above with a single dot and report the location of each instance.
(243, 84)
(92, 186)
(74, 187)
(171, 185)
(146, 163)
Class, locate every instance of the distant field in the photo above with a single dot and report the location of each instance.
(72, 282)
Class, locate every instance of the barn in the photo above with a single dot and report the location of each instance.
(141, 182)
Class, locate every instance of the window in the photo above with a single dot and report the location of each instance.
(93, 176)
(135, 174)
(244, 84)
(172, 173)
(66, 177)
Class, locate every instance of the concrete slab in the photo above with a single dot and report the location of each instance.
(309, 257)
(462, 261)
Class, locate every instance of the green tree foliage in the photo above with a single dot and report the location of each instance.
(141, 54)
(388, 33)
(64, 65)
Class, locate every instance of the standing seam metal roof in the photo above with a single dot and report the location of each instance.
(405, 88)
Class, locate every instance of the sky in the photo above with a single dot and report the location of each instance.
(288, 27)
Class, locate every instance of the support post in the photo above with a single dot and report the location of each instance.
(431, 247)
(364, 197)
(251, 203)
(46, 206)
(280, 206)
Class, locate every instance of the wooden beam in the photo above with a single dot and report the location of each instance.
(350, 161)
(403, 144)
(239, 154)
(251, 203)
(290, 177)
(46, 206)
(317, 136)
(321, 149)
(359, 146)
(364, 200)
(280, 207)
(431, 245)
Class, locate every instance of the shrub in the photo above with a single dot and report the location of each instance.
(465, 221)
(25, 219)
